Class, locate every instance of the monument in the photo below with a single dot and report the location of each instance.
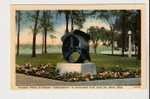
(75, 51)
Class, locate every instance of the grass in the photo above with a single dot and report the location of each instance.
(106, 61)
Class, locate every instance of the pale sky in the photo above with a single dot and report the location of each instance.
(26, 34)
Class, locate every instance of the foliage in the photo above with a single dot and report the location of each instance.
(46, 21)
(74, 17)
(78, 17)
(97, 34)
(132, 19)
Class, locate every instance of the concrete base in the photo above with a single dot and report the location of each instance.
(83, 68)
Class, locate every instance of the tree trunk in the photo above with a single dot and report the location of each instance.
(72, 25)
(135, 49)
(45, 42)
(45, 31)
(67, 21)
(112, 40)
(18, 34)
(139, 35)
(124, 31)
(34, 35)
(95, 46)
(95, 51)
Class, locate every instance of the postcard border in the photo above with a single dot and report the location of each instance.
(15, 7)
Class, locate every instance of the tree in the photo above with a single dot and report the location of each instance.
(93, 32)
(67, 14)
(129, 20)
(77, 18)
(109, 17)
(123, 19)
(135, 27)
(36, 18)
(134, 21)
(67, 20)
(138, 17)
(97, 34)
(18, 19)
(46, 25)
(105, 36)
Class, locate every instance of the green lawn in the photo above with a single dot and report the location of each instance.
(100, 60)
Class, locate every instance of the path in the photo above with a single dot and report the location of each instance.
(24, 80)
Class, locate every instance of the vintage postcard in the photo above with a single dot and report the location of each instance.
(77, 46)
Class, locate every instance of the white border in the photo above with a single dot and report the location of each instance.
(7, 93)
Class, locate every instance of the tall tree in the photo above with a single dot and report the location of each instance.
(124, 19)
(46, 25)
(18, 19)
(45, 30)
(135, 26)
(36, 17)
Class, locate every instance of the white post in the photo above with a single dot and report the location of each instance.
(130, 45)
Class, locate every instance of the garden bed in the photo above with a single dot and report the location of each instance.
(49, 71)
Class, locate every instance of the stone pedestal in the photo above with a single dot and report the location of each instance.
(82, 68)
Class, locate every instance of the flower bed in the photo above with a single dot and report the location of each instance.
(50, 71)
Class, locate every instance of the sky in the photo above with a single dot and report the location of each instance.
(59, 29)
